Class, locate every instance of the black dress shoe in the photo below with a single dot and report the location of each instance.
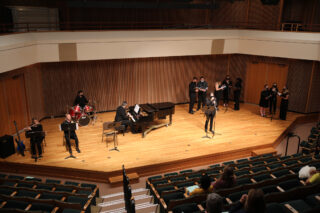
(212, 131)
(78, 150)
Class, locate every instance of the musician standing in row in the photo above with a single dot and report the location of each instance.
(122, 116)
(228, 83)
(273, 98)
(202, 93)
(210, 112)
(80, 99)
(264, 100)
(36, 135)
(218, 92)
(236, 93)
(284, 103)
(192, 94)
(72, 135)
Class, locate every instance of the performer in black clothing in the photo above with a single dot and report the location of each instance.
(264, 99)
(121, 115)
(218, 92)
(236, 93)
(202, 93)
(210, 111)
(273, 98)
(192, 94)
(284, 103)
(73, 134)
(80, 99)
(36, 135)
(228, 83)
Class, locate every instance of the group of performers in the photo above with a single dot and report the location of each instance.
(222, 89)
(268, 98)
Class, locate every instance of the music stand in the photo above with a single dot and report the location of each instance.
(69, 127)
(36, 134)
(115, 126)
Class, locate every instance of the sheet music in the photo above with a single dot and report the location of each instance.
(136, 109)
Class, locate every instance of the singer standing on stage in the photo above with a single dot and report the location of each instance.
(236, 93)
(192, 93)
(202, 87)
(273, 98)
(284, 103)
(218, 92)
(35, 139)
(264, 100)
(228, 83)
(210, 112)
(72, 135)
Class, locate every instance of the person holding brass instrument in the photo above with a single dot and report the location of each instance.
(36, 135)
(202, 92)
(72, 135)
(210, 111)
(193, 94)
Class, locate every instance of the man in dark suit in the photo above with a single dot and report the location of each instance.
(121, 115)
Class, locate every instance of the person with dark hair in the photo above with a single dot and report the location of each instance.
(236, 93)
(228, 85)
(226, 180)
(80, 100)
(284, 103)
(202, 87)
(264, 100)
(205, 186)
(210, 111)
(192, 93)
(252, 203)
(72, 135)
(122, 116)
(34, 133)
(214, 203)
(218, 92)
(273, 98)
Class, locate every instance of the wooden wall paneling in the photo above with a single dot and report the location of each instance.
(4, 113)
(298, 82)
(314, 98)
(264, 15)
(230, 13)
(255, 79)
(237, 69)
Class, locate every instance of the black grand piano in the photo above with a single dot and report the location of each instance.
(145, 115)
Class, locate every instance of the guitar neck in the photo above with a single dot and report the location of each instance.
(17, 131)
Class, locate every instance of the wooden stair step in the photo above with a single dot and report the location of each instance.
(119, 179)
(263, 151)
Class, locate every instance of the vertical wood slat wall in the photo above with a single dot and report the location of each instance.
(50, 87)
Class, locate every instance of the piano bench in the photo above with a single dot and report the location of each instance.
(121, 129)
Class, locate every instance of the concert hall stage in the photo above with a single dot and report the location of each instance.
(166, 149)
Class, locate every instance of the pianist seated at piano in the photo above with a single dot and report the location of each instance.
(122, 116)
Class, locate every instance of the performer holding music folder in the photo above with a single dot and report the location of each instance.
(36, 135)
(210, 111)
(69, 133)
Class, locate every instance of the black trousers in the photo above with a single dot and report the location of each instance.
(36, 144)
(193, 97)
(226, 96)
(283, 109)
(236, 100)
(273, 106)
(209, 118)
(72, 136)
(201, 99)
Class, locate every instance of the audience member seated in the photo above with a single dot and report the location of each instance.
(214, 203)
(205, 186)
(314, 176)
(252, 203)
(226, 180)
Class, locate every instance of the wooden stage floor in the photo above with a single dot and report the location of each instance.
(238, 133)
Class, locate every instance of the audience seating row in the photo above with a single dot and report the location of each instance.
(25, 194)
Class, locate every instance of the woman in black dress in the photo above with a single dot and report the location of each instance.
(218, 92)
(284, 103)
(264, 100)
(236, 93)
